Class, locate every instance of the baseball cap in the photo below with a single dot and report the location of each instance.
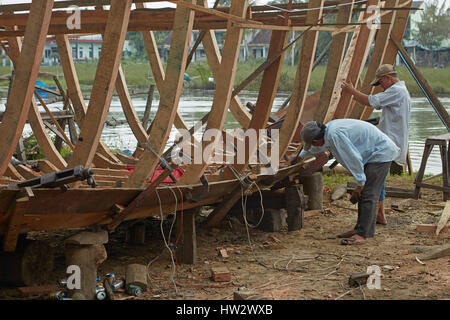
(309, 132)
(382, 71)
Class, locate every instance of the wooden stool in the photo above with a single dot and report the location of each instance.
(442, 142)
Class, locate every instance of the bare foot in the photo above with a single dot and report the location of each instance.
(381, 219)
(347, 234)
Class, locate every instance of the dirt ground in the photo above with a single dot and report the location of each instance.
(300, 265)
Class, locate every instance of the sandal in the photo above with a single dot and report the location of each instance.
(347, 234)
(351, 241)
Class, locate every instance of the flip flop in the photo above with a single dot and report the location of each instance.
(347, 234)
(351, 241)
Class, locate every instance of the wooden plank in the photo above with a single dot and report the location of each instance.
(101, 161)
(35, 118)
(444, 218)
(331, 79)
(430, 228)
(103, 88)
(420, 79)
(123, 213)
(187, 247)
(357, 109)
(214, 58)
(12, 173)
(437, 252)
(266, 95)
(357, 64)
(222, 95)
(22, 87)
(170, 96)
(16, 214)
(26, 172)
(397, 31)
(302, 78)
(74, 90)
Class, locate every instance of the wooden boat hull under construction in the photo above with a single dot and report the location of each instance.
(53, 209)
(24, 29)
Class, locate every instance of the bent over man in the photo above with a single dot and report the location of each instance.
(367, 153)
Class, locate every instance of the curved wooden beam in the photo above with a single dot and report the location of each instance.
(363, 43)
(22, 87)
(222, 96)
(74, 90)
(337, 49)
(103, 87)
(356, 109)
(266, 95)
(302, 78)
(170, 97)
(34, 116)
(397, 31)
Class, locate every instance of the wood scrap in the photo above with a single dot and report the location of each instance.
(37, 290)
(223, 253)
(220, 274)
(430, 228)
(437, 252)
(444, 218)
(339, 192)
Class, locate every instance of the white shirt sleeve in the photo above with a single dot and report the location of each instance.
(385, 99)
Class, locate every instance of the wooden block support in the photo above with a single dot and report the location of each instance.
(187, 247)
(313, 188)
(86, 251)
(295, 205)
(136, 274)
(220, 274)
(30, 265)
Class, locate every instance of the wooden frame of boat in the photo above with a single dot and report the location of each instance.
(24, 28)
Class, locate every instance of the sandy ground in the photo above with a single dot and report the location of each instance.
(306, 264)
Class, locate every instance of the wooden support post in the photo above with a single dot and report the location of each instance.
(221, 211)
(148, 106)
(102, 90)
(362, 47)
(331, 79)
(20, 151)
(295, 206)
(22, 88)
(266, 96)
(170, 96)
(86, 251)
(187, 250)
(313, 188)
(135, 234)
(302, 78)
(357, 109)
(30, 265)
(16, 213)
(222, 96)
(136, 274)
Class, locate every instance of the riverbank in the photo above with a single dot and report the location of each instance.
(139, 76)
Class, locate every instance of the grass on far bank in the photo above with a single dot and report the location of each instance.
(139, 75)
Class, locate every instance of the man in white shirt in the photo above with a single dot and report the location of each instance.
(366, 152)
(395, 105)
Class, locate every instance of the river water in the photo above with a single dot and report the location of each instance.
(194, 104)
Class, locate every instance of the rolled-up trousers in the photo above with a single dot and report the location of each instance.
(376, 174)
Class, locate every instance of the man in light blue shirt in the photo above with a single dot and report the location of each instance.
(366, 152)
